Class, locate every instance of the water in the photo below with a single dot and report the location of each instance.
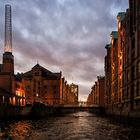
(76, 126)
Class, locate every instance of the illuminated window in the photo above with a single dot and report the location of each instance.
(10, 100)
(3, 98)
(14, 100)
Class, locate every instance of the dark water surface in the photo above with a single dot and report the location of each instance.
(76, 126)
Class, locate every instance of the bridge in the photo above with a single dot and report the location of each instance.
(43, 110)
(81, 107)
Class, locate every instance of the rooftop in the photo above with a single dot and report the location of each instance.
(45, 73)
(114, 34)
(121, 15)
(108, 46)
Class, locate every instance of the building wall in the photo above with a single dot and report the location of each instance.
(125, 64)
(108, 76)
(40, 88)
(6, 81)
(101, 81)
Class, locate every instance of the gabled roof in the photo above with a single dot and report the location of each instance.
(37, 66)
(45, 73)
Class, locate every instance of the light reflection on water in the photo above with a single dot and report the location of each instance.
(76, 126)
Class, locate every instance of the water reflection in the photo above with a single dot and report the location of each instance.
(15, 130)
(76, 126)
(20, 130)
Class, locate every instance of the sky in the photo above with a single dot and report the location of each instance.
(62, 35)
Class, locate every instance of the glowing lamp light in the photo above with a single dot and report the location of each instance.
(14, 100)
(3, 99)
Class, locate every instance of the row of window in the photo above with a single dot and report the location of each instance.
(133, 72)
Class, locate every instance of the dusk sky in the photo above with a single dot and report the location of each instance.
(62, 35)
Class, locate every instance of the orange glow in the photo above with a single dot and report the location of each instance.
(24, 102)
(14, 100)
(10, 100)
(3, 99)
(20, 101)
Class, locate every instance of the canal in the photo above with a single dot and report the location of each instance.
(75, 126)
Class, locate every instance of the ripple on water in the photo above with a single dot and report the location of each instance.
(76, 126)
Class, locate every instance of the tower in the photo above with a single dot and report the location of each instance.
(8, 58)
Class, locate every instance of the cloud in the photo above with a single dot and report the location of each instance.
(63, 35)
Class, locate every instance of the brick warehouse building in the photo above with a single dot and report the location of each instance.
(122, 87)
(41, 85)
(96, 97)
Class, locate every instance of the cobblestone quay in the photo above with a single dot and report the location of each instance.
(74, 126)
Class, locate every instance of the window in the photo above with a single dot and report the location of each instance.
(132, 73)
(127, 93)
(137, 102)
(45, 87)
(138, 88)
(36, 73)
(28, 88)
(133, 43)
(138, 67)
(54, 89)
(127, 78)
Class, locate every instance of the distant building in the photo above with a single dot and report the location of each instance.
(70, 94)
(73, 94)
(97, 95)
